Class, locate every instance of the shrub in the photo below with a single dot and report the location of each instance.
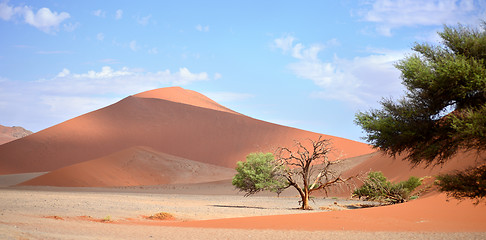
(377, 188)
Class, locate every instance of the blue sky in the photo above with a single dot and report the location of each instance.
(306, 64)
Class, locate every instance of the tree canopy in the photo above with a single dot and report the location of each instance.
(445, 106)
(258, 173)
(444, 109)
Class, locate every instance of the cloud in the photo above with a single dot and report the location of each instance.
(153, 51)
(284, 43)
(133, 45)
(99, 13)
(100, 36)
(7, 12)
(391, 14)
(109, 61)
(217, 76)
(143, 20)
(44, 19)
(44, 102)
(201, 28)
(70, 27)
(53, 52)
(118, 14)
(121, 81)
(360, 81)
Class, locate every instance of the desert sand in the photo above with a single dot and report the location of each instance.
(77, 213)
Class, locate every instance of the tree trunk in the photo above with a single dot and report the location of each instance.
(305, 200)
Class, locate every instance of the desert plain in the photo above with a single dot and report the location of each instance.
(102, 174)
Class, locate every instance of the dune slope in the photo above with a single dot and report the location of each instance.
(133, 167)
(398, 169)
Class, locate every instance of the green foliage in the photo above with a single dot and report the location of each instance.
(444, 109)
(377, 188)
(258, 173)
(470, 183)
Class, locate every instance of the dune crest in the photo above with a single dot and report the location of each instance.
(185, 96)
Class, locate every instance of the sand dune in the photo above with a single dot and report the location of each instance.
(133, 167)
(196, 133)
(398, 169)
(8, 134)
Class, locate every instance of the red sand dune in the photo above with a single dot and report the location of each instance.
(187, 131)
(133, 167)
(433, 214)
(8, 134)
(398, 169)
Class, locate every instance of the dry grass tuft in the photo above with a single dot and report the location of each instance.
(161, 216)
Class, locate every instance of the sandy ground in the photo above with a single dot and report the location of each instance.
(60, 213)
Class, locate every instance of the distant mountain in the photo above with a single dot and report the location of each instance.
(8, 134)
(172, 121)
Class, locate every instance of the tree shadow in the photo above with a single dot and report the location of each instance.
(236, 206)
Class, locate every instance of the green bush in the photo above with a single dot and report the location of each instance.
(377, 188)
(258, 173)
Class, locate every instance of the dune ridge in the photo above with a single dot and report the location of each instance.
(185, 96)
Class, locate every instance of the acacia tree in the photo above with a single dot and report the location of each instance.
(444, 110)
(305, 169)
(309, 170)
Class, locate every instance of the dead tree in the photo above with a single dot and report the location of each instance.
(308, 170)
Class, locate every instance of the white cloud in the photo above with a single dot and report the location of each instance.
(284, 43)
(153, 51)
(121, 81)
(201, 28)
(390, 14)
(63, 73)
(7, 12)
(360, 81)
(44, 19)
(70, 27)
(133, 45)
(100, 36)
(119, 14)
(217, 76)
(99, 13)
(143, 20)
